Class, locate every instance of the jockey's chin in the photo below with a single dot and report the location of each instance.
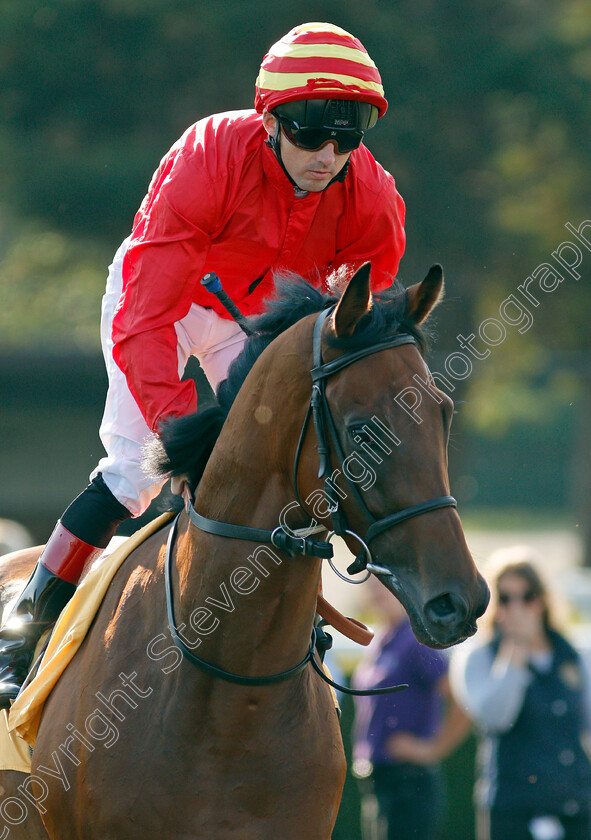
(312, 171)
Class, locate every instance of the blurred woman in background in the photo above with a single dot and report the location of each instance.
(400, 739)
(527, 691)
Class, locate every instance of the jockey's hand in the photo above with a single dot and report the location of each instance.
(178, 484)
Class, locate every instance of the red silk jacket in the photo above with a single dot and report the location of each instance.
(220, 201)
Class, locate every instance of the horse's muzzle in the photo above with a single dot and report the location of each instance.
(449, 619)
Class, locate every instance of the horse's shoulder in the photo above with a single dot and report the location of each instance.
(128, 601)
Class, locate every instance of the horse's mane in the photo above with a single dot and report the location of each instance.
(185, 443)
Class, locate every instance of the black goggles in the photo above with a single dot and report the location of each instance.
(310, 139)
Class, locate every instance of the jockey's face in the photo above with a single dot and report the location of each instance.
(311, 171)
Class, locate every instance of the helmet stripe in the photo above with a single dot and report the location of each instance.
(328, 31)
(336, 51)
(285, 81)
(320, 68)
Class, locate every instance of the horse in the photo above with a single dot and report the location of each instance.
(194, 707)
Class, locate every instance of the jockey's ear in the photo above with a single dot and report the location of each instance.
(422, 298)
(269, 123)
(354, 303)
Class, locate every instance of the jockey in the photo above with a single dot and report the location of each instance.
(286, 186)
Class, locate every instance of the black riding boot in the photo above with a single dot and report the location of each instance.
(37, 608)
(79, 537)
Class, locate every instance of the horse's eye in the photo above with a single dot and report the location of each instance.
(360, 435)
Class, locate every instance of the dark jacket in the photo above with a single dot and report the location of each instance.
(539, 764)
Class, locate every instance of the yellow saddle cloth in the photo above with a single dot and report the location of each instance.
(68, 634)
(14, 752)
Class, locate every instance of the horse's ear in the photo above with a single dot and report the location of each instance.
(354, 303)
(422, 298)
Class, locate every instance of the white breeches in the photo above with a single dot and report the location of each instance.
(215, 341)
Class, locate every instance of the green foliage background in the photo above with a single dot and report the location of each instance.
(487, 136)
(487, 132)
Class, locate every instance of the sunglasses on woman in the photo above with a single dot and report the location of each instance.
(527, 597)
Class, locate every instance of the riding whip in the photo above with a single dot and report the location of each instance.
(213, 284)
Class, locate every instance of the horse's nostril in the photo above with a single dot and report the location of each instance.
(448, 608)
(441, 607)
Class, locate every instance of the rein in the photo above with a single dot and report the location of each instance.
(320, 641)
(284, 539)
(292, 544)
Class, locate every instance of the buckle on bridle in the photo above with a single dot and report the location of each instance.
(292, 545)
(288, 543)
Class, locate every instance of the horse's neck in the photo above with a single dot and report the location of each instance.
(248, 478)
(254, 590)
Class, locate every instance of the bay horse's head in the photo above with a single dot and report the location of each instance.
(331, 414)
(373, 463)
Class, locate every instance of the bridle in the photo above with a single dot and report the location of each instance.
(282, 537)
(319, 409)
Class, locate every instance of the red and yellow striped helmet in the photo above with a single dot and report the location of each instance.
(318, 61)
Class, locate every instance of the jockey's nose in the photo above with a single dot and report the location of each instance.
(326, 154)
